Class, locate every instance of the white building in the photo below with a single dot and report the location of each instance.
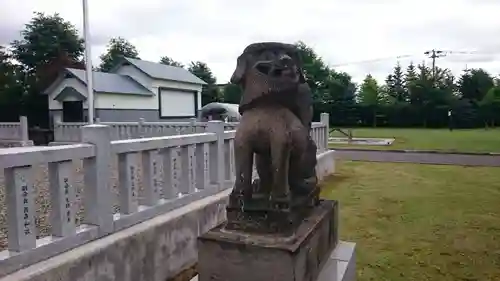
(133, 89)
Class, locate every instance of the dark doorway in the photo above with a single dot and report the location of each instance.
(72, 111)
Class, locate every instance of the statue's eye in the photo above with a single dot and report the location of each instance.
(267, 55)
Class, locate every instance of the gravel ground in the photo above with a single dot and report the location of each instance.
(43, 197)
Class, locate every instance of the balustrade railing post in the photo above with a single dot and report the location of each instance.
(232, 163)
(325, 119)
(57, 131)
(170, 173)
(98, 201)
(202, 166)
(127, 176)
(20, 202)
(188, 169)
(192, 124)
(216, 154)
(140, 128)
(63, 197)
(24, 130)
(229, 158)
(150, 177)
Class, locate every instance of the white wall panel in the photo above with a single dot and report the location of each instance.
(177, 103)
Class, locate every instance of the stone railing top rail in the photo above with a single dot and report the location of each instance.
(317, 125)
(135, 145)
(144, 122)
(26, 156)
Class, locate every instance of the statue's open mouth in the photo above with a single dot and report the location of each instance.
(283, 72)
(264, 67)
(270, 69)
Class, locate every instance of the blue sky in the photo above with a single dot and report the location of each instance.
(342, 31)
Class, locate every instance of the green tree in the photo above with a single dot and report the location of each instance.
(315, 70)
(385, 98)
(369, 91)
(496, 81)
(332, 91)
(423, 93)
(210, 92)
(410, 81)
(10, 88)
(232, 93)
(445, 82)
(169, 61)
(474, 84)
(45, 38)
(490, 106)
(117, 48)
(202, 71)
(396, 84)
(369, 95)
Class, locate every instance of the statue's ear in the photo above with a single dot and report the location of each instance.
(302, 78)
(241, 68)
(298, 60)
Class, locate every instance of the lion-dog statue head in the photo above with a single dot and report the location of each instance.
(266, 69)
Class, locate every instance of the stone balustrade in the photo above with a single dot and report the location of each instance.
(15, 133)
(193, 166)
(157, 175)
(70, 132)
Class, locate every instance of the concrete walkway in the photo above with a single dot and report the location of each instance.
(420, 157)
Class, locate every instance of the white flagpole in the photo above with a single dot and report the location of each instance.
(88, 63)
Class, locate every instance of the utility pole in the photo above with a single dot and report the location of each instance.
(433, 54)
(88, 63)
(466, 70)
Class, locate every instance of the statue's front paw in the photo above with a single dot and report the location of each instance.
(301, 188)
(244, 190)
(280, 200)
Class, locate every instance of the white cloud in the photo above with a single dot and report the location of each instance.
(341, 31)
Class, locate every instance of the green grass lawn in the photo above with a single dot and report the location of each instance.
(420, 222)
(477, 140)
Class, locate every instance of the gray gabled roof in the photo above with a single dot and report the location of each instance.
(165, 72)
(111, 83)
(69, 91)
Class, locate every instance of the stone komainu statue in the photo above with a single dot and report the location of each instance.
(276, 109)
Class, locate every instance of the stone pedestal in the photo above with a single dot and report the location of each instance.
(225, 255)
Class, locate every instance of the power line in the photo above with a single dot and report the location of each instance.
(440, 53)
(371, 60)
(476, 52)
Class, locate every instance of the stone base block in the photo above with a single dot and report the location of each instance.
(341, 266)
(225, 255)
